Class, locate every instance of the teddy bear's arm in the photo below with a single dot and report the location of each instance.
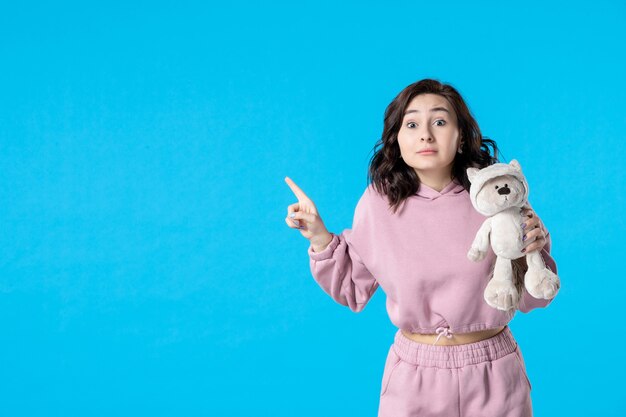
(478, 250)
(481, 241)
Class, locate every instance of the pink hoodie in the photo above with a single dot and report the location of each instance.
(419, 257)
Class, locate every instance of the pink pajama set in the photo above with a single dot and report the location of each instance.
(419, 257)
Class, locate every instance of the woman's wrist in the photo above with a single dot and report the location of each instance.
(319, 243)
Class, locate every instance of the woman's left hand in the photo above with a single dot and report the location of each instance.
(534, 229)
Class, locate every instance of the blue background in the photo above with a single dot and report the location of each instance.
(145, 264)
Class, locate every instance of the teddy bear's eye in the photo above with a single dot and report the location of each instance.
(496, 187)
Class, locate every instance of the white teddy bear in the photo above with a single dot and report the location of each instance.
(500, 192)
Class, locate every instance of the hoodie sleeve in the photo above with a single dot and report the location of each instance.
(527, 301)
(339, 269)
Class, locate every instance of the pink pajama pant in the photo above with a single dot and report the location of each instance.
(481, 379)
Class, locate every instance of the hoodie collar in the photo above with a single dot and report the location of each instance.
(453, 188)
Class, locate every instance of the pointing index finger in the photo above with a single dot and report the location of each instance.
(296, 190)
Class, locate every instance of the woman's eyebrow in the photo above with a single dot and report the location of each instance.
(434, 109)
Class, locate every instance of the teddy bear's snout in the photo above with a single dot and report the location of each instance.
(504, 190)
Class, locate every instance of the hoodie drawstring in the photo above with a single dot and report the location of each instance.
(443, 331)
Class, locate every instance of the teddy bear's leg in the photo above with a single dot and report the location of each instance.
(539, 281)
(501, 292)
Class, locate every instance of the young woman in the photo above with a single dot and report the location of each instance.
(453, 355)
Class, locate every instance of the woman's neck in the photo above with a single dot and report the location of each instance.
(435, 183)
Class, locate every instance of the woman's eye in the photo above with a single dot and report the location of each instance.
(412, 124)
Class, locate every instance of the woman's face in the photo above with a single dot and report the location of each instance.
(429, 122)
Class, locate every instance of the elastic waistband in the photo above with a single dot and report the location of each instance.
(454, 356)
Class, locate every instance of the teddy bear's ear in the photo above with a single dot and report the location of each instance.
(471, 173)
(515, 164)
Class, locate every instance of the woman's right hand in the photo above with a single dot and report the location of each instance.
(303, 216)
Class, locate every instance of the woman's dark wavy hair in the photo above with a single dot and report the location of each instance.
(391, 176)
